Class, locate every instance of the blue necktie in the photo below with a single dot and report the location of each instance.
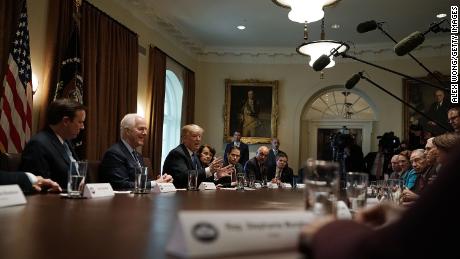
(68, 152)
(136, 158)
(195, 161)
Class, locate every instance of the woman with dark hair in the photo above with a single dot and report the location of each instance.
(206, 154)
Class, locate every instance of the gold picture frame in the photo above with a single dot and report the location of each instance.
(251, 107)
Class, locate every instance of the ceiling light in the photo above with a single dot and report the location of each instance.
(315, 49)
(335, 26)
(241, 27)
(441, 15)
(305, 11)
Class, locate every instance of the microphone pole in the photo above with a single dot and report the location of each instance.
(345, 55)
(379, 26)
(404, 102)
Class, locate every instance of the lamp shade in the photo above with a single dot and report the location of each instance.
(315, 49)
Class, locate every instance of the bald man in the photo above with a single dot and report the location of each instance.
(257, 165)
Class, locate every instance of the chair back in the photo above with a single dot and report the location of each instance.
(10, 162)
(92, 175)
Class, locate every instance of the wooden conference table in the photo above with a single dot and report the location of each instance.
(123, 226)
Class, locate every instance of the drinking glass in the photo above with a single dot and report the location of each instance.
(140, 180)
(192, 184)
(76, 180)
(322, 186)
(356, 186)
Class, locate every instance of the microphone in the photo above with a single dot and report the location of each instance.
(367, 26)
(324, 59)
(409, 43)
(353, 80)
(415, 39)
(321, 62)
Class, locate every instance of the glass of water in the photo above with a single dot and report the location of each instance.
(322, 186)
(140, 180)
(76, 180)
(357, 189)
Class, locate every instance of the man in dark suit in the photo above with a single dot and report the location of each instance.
(438, 111)
(49, 152)
(283, 173)
(244, 149)
(274, 151)
(28, 182)
(233, 159)
(121, 159)
(183, 159)
(257, 166)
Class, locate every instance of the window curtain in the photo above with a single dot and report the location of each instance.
(188, 106)
(109, 69)
(154, 115)
(58, 33)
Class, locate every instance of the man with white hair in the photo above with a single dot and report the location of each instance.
(121, 159)
(183, 159)
(257, 165)
(396, 174)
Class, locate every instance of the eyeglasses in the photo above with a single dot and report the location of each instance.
(453, 118)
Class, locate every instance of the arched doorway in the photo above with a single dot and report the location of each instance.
(326, 112)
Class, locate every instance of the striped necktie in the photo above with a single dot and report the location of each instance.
(68, 152)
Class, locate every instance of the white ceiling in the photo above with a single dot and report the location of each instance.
(201, 25)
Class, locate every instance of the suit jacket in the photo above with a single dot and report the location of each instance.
(44, 155)
(411, 236)
(286, 174)
(440, 115)
(271, 159)
(118, 167)
(252, 166)
(244, 152)
(19, 178)
(178, 164)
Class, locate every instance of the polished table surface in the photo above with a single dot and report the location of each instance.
(123, 226)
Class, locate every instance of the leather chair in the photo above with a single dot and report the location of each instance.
(92, 174)
(10, 162)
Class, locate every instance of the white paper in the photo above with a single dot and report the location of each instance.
(164, 187)
(98, 190)
(11, 195)
(215, 233)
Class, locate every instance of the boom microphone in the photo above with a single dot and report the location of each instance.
(367, 26)
(353, 80)
(409, 43)
(321, 62)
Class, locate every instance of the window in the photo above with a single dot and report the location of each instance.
(172, 114)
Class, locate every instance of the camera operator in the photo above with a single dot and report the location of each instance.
(347, 152)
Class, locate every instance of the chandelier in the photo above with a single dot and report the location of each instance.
(305, 11)
(314, 49)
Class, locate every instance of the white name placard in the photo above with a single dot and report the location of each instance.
(271, 185)
(215, 233)
(97, 190)
(301, 186)
(207, 186)
(164, 187)
(11, 195)
(286, 185)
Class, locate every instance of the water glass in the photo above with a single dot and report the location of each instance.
(192, 183)
(356, 187)
(252, 180)
(240, 181)
(322, 187)
(140, 180)
(394, 188)
(76, 180)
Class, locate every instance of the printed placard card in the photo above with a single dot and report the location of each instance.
(216, 233)
(11, 195)
(98, 190)
(164, 187)
(207, 186)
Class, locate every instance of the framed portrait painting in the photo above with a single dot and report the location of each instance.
(251, 107)
(429, 100)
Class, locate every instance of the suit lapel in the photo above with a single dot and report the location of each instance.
(187, 157)
(132, 163)
(58, 146)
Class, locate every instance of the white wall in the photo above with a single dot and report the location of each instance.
(297, 84)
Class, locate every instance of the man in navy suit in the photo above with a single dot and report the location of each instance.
(121, 159)
(49, 152)
(183, 159)
(28, 182)
(257, 165)
(244, 149)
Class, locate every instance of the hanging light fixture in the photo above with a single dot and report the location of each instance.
(315, 49)
(305, 11)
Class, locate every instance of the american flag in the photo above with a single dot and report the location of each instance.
(16, 99)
